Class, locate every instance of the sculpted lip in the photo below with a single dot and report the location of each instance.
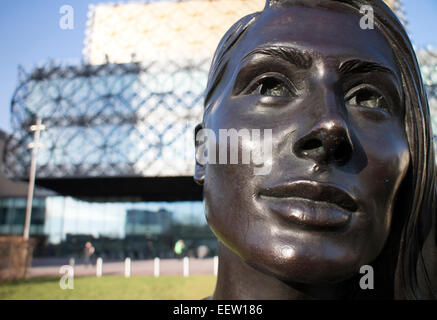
(311, 203)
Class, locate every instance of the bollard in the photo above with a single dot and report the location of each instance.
(127, 268)
(215, 265)
(156, 267)
(99, 267)
(186, 267)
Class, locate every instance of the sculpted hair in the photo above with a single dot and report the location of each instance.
(223, 52)
(407, 266)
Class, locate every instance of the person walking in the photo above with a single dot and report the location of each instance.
(88, 251)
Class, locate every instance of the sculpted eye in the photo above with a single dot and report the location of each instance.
(272, 86)
(367, 97)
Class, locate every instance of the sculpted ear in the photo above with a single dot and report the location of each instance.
(199, 171)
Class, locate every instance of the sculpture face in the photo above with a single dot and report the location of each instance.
(332, 94)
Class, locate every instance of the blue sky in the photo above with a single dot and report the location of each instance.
(30, 34)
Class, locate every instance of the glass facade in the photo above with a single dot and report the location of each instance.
(62, 226)
(131, 120)
(66, 215)
(13, 213)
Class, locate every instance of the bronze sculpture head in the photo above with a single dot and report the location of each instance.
(352, 179)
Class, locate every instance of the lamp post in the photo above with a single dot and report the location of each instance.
(35, 145)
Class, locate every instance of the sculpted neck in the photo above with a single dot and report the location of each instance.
(236, 280)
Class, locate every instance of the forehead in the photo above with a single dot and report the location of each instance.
(334, 34)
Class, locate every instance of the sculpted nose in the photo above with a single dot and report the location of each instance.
(327, 142)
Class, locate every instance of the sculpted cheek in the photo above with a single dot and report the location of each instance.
(390, 163)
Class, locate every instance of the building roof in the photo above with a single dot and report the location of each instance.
(122, 33)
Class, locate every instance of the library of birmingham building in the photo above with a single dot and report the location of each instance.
(118, 158)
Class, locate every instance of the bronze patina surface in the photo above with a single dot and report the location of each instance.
(352, 178)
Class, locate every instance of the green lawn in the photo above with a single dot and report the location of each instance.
(112, 287)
